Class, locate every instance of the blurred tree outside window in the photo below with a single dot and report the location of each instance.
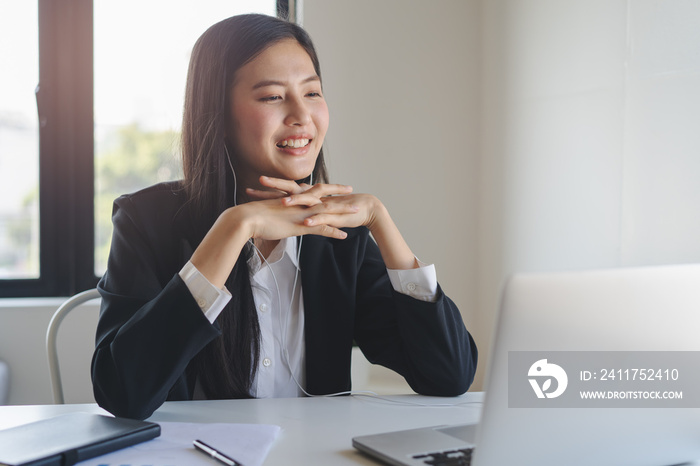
(141, 55)
(19, 140)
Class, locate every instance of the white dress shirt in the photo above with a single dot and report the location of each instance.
(277, 293)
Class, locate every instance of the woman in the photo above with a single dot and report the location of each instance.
(241, 282)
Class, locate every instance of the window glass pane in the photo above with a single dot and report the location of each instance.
(141, 55)
(19, 140)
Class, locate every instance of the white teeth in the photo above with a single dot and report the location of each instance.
(294, 143)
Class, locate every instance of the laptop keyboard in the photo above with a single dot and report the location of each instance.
(462, 457)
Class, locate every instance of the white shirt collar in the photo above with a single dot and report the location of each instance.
(286, 246)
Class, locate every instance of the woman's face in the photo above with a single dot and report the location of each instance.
(278, 115)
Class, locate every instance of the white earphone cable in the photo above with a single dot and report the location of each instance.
(235, 184)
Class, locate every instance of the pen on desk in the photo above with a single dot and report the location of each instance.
(216, 454)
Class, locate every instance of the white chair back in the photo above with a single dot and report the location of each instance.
(51, 339)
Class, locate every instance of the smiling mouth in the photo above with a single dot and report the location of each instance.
(294, 143)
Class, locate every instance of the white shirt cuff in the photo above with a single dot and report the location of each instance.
(420, 283)
(210, 299)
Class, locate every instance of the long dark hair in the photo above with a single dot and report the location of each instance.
(226, 367)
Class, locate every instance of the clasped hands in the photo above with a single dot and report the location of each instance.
(289, 209)
(285, 209)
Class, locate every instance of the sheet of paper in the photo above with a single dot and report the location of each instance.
(248, 444)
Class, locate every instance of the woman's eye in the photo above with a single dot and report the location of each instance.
(271, 98)
(314, 94)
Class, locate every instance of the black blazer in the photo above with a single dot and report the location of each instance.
(150, 326)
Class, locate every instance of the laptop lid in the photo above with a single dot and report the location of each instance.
(629, 335)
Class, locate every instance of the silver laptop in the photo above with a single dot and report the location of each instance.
(587, 368)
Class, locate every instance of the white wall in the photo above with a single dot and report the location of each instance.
(23, 325)
(599, 148)
(590, 149)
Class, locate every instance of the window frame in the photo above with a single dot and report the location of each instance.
(66, 151)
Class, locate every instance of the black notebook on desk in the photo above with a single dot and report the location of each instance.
(70, 438)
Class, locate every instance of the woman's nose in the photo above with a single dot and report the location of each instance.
(298, 113)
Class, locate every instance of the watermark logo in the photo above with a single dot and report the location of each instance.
(542, 370)
(603, 379)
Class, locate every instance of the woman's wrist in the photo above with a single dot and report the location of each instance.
(242, 219)
(218, 252)
(395, 252)
(379, 217)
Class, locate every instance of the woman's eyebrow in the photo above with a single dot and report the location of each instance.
(272, 82)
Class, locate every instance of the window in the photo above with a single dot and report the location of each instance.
(19, 141)
(109, 82)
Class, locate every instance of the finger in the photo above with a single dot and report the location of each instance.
(340, 219)
(323, 189)
(288, 186)
(260, 194)
(335, 214)
(303, 199)
(313, 195)
(327, 231)
(333, 207)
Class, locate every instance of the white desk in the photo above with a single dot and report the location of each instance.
(314, 430)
